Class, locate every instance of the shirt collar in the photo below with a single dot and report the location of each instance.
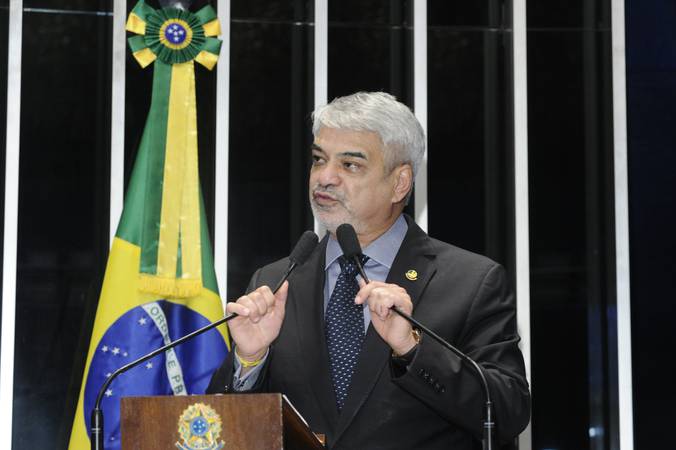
(381, 251)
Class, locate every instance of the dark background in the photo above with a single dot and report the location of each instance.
(651, 114)
(65, 160)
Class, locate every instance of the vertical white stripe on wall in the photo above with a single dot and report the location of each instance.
(521, 192)
(626, 407)
(117, 115)
(321, 55)
(321, 58)
(420, 103)
(222, 153)
(11, 217)
(321, 72)
(321, 44)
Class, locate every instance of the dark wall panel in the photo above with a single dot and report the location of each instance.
(571, 227)
(63, 216)
(470, 121)
(370, 48)
(651, 115)
(270, 103)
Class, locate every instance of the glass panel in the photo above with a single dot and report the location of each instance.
(569, 14)
(483, 13)
(571, 238)
(470, 156)
(271, 85)
(52, 6)
(368, 12)
(63, 217)
(366, 58)
(651, 115)
(284, 10)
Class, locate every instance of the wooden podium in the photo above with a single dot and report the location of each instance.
(218, 422)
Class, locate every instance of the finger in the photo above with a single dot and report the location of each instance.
(259, 301)
(384, 307)
(247, 301)
(237, 308)
(365, 291)
(280, 298)
(267, 295)
(403, 301)
(282, 292)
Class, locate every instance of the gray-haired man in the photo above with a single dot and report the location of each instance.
(358, 373)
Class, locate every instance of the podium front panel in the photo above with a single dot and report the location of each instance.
(214, 422)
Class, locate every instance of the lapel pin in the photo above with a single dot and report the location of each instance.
(412, 275)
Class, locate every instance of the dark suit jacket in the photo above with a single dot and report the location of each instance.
(439, 402)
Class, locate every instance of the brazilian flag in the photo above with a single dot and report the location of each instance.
(160, 282)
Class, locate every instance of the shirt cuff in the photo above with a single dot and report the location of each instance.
(246, 382)
(400, 363)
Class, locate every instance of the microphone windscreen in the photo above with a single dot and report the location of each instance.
(304, 247)
(347, 238)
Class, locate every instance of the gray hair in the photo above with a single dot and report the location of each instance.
(402, 135)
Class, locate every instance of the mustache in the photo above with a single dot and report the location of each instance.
(335, 194)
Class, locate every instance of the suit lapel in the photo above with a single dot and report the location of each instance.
(307, 293)
(414, 254)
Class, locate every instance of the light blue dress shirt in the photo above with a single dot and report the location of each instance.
(381, 253)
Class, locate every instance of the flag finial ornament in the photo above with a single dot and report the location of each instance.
(174, 35)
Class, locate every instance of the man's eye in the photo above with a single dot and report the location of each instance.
(316, 160)
(351, 166)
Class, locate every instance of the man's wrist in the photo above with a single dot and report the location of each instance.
(250, 360)
(413, 341)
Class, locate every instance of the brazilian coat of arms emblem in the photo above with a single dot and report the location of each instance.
(199, 428)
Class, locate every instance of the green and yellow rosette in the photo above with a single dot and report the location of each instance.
(173, 217)
(174, 36)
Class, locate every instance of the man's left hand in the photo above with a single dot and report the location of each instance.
(394, 329)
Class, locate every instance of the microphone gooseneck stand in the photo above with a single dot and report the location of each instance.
(349, 244)
(300, 253)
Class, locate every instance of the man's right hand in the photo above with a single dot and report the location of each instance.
(260, 316)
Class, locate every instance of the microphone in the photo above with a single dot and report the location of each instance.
(349, 244)
(300, 253)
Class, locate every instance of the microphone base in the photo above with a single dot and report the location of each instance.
(96, 423)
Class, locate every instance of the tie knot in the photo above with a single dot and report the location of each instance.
(348, 266)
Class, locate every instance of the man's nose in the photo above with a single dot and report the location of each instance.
(328, 175)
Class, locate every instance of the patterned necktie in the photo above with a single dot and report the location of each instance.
(344, 328)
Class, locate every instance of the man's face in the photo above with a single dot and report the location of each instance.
(349, 184)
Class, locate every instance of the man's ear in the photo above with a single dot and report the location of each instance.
(403, 182)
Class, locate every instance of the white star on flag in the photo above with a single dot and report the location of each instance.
(115, 350)
(104, 349)
(149, 365)
(142, 321)
(109, 393)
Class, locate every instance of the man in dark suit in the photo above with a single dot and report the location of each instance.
(357, 372)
